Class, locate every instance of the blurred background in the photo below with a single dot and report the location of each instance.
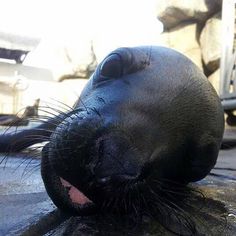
(48, 49)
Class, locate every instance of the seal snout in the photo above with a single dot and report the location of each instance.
(117, 159)
(117, 180)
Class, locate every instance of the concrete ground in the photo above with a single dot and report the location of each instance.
(25, 208)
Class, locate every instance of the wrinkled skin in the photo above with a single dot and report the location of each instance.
(147, 114)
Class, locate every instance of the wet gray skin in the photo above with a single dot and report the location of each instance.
(147, 115)
(148, 120)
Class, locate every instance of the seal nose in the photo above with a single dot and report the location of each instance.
(111, 67)
(117, 160)
(109, 167)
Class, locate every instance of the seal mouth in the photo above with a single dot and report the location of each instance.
(76, 196)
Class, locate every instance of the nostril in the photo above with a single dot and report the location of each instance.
(112, 66)
(117, 179)
(104, 180)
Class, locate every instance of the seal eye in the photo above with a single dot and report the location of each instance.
(112, 66)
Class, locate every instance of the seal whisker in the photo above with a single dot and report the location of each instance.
(110, 203)
(96, 111)
(26, 174)
(52, 121)
(51, 112)
(179, 212)
(17, 145)
(136, 211)
(127, 144)
(31, 170)
(21, 163)
(36, 137)
(86, 108)
(64, 104)
(173, 208)
(51, 106)
(168, 215)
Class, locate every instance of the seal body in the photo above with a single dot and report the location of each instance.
(147, 115)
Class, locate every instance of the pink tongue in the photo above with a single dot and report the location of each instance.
(75, 195)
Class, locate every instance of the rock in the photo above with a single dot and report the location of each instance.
(215, 80)
(210, 42)
(66, 59)
(183, 39)
(171, 12)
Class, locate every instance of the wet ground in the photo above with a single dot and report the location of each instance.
(23, 199)
(25, 208)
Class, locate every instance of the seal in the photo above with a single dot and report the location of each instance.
(148, 118)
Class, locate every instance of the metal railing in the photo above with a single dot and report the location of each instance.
(228, 56)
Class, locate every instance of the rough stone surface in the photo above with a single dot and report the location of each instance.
(215, 80)
(183, 39)
(172, 12)
(210, 41)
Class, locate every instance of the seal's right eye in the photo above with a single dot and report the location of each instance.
(112, 66)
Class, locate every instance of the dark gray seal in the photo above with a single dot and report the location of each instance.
(148, 118)
(147, 113)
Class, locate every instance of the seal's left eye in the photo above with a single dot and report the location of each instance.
(111, 67)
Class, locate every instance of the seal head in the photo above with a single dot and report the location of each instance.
(148, 117)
